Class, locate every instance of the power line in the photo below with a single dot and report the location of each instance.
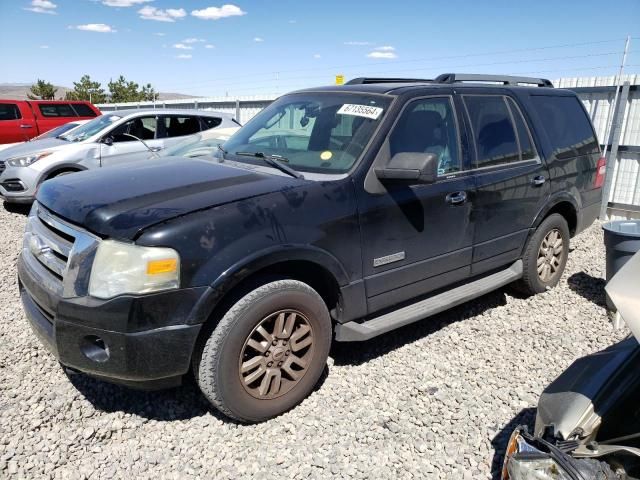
(439, 69)
(369, 64)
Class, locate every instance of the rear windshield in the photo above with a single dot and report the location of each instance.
(567, 125)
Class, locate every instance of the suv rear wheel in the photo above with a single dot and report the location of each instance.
(545, 255)
(267, 353)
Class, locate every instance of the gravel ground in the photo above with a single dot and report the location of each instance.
(437, 399)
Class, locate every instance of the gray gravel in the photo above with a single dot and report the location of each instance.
(437, 399)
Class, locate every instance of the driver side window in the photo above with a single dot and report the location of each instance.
(143, 128)
(429, 126)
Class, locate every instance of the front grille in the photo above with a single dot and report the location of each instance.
(49, 244)
(59, 254)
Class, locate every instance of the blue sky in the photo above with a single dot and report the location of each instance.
(210, 48)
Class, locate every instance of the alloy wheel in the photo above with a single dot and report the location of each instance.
(276, 355)
(550, 255)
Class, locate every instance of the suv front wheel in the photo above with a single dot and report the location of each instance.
(267, 353)
(545, 255)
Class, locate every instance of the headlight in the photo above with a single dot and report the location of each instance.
(27, 159)
(126, 268)
(525, 462)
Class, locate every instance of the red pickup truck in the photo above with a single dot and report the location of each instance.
(21, 120)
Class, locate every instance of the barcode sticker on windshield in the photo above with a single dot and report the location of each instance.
(360, 110)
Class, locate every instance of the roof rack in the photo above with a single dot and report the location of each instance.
(369, 80)
(503, 79)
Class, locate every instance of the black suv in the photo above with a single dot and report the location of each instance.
(337, 212)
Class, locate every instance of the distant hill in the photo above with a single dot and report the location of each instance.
(18, 91)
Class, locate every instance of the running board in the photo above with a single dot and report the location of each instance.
(358, 332)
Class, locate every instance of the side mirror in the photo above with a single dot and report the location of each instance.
(108, 141)
(410, 167)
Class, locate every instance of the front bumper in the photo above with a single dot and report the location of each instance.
(19, 184)
(144, 341)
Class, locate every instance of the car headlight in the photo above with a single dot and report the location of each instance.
(126, 268)
(525, 462)
(27, 160)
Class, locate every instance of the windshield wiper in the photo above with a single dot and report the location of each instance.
(274, 161)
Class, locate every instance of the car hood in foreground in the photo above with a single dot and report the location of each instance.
(120, 202)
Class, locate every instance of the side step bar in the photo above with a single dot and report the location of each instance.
(358, 332)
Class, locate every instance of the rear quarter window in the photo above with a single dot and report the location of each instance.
(84, 110)
(9, 111)
(567, 125)
(210, 122)
(56, 110)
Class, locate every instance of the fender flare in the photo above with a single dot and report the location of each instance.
(62, 166)
(259, 260)
(554, 200)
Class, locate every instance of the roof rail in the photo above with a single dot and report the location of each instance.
(369, 80)
(503, 79)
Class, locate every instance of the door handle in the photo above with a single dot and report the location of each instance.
(456, 198)
(26, 126)
(538, 181)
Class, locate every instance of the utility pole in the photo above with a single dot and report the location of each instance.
(611, 119)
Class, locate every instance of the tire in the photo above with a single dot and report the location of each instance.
(539, 254)
(247, 376)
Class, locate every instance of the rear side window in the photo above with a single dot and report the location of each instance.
(180, 126)
(493, 130)
(567, 125)
(56, 110)
(9, 111)
(83, 110)
(524, 137)
(210, 122)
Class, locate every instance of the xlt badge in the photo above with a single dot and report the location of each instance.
(394, 257)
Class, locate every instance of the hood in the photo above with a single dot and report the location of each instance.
(120, 202)
(27, 148)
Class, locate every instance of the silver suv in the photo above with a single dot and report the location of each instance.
(110, 139)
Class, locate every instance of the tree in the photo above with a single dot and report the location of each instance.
(42, 90)
(149, 94)
(87, 90)
(123, 90)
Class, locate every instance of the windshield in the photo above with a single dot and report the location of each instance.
(54, 132)
(91, 128)
(311, 132)
(195, 148)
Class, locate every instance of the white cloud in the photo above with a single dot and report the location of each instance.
(159, 34)
(193, 40)
(42, 6)
(169, 15)
(95, 27)
(216, 13)
(293, 21)
(123, 3)
(317, 55)
(386, 51)
(258, 39)
(208, 45)
(357, 44)
(387, 55)
(184, 56)
(44, 46)
(182, 46)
